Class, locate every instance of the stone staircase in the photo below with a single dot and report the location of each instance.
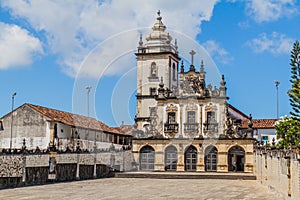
(186, 175)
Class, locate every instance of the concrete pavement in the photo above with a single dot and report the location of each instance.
(131, 188)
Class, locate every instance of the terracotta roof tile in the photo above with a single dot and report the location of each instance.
(260, 123)
(74, 119)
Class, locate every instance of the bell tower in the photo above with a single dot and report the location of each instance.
(157, 61)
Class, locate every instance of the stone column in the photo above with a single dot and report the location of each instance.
(95, 165)
(200, 159)
(24, 151)
(77, 166)
(52, 166)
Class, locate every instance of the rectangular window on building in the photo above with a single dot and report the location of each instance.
(191, 117)
(171, 118)
(210, 117)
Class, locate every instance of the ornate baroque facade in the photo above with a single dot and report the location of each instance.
(182, 123)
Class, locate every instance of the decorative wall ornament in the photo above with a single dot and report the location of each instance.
(171, 108)
(211, 107)
(192, 107)
(232, 126)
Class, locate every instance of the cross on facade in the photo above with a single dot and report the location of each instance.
(192, 54)
(158, 13)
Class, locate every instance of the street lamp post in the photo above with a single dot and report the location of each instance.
(276, 85)
(88, 88)
(12, 118)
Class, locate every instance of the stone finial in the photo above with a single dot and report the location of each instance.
(250, 123)
(141, 41)
(158, 14)
(223, 87)
(24, 144)
(202, 66)
(223, 82)
(176, 46)
(161, 90)
(182, 67)
(161, 84)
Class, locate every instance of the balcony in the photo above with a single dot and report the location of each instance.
(191, 127)
(171, 128)
(211, 126)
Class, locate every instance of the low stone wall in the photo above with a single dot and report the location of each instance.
(29, 169)
(279, 170)
(11, 166)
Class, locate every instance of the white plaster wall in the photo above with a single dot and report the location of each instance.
(27, 124)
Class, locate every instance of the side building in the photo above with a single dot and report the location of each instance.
(182, 123)
(43, 128)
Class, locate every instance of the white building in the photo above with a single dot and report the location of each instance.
(45, 127)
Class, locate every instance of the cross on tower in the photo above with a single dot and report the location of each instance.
(158, 13)
(192, 54)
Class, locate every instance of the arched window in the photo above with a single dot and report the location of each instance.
(190, 159)
(147, 158)
(153, 70)
(171, 158)
(211, 158)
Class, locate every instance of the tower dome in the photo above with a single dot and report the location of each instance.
(159, 40)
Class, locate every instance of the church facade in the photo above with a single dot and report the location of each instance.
(182, 123)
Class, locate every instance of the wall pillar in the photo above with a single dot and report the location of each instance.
(159, 164)
(222, 165)
(200, 162)
(180, 162)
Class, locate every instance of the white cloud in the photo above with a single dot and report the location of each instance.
(271, 10)
(17, 46)
(274, 43)
(217, 52)
(74, 28)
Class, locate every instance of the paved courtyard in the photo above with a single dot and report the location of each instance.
(129, 188)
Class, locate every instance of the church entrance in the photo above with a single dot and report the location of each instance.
(190, 159)
(171, 158)
(211, 159)
(236, 159)
(147, 158)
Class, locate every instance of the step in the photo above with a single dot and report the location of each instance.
(186, 175)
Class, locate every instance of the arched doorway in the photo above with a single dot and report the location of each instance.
(236, 159)
(171, 158)
(211, 159)
(190, 159)
(147, 158)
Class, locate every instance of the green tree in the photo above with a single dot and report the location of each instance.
(287, 132)
(294, 93)
(288, 128)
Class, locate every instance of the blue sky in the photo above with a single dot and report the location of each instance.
(51, 50)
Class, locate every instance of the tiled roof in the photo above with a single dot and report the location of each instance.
(260, 123)
(73, 119)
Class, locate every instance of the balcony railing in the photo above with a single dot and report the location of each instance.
(191, 127)
(171, 128)
(211, 126)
